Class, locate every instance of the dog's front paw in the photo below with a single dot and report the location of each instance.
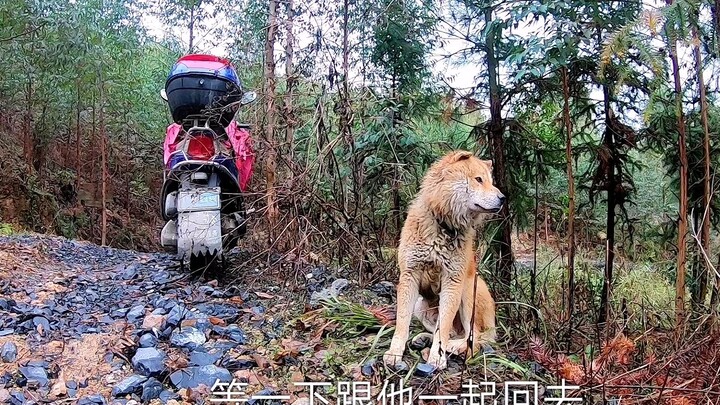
(439, 361)
(392, 357)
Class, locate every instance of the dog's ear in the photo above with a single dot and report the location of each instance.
(460, 155)
(489, 164)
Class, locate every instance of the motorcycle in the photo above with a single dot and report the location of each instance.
(208, 160)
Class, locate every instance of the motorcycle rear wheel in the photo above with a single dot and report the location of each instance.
(203, 263)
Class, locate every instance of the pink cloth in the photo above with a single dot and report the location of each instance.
(244, 153)
(239, 139)
(171, 134)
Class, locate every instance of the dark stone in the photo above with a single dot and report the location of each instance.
(135, 313)
(166, 396)
(421, 341)
(40, 321)
(17, 398)
(233, 332)
(424, 370)
(8, 352)
(147, 340)
(159, 311)
(149, 361)
(71, 384)
(34, 373)
(192, 377)
(119, 313)
(241, 363)
(129, 385)
(258, 310)
(384, 289)
(176, 315)
(198, 358)
(38, 363)
(92, 399)
(368, 369)
(187, 338)
(151, 389)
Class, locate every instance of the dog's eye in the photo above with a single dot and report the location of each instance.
(479, 179)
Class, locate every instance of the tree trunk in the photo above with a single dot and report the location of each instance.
(78, 139)
(191, 27)
(571, 196)
(702, 277)
(497, 149)
(103, 161)
(533, 275)
(290, 82)
(609, 146)
(270, 114)
(682, 222)
(28, 136)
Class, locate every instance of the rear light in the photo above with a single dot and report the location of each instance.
(201, 148)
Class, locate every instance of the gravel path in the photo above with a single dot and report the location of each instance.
(85, 324)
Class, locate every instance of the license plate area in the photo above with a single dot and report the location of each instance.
(199, 199)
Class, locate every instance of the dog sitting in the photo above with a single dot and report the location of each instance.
(438, 281)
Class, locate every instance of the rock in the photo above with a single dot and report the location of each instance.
(328, 293)
(338, 286)
(176, 314)
(302, 401)
(167, 396)
(154, 322)
(198, 358)
(192, 377)
(401, 366)
(384, 289)
(17, 398)
(368, 369)
(187, 338)
(92, 400)
(42, 325)
(129, 385)
(149, 361)
(239, 363)
(147, 340)
(35, 373)
(119, 313)
(135, 313)
(233, 332)
(421, 341)
(8, 352)
(7, 331)
(130, 272)
(151, 389)
(424, 370)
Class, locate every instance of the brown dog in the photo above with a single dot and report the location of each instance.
(436, 259)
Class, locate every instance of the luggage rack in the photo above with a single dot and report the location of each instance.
(201, 121)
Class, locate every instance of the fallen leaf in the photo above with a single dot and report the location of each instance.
(261, 294)
(58, 389)
(297, 376)
(217, 321)
(261, 361)
(247, 376)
